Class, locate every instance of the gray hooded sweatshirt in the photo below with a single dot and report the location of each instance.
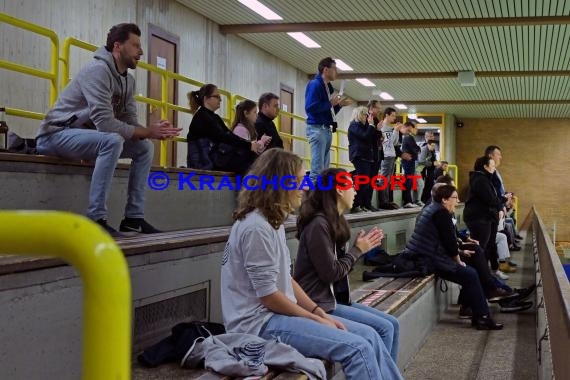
(98, 97)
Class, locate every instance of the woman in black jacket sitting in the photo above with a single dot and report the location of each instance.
(434, 245)
(212, 145)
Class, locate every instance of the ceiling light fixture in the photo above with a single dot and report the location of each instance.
(401, 106)
(412, 116)
(386, 96)
(341, 65)
(365, 82)
(261, 9)
(420, 120)
(302, 38)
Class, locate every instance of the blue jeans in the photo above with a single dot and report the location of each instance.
(105, 148)
(359, 349)
(385, 325)
(320, 140)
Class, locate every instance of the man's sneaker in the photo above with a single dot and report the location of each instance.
(506, 268)
(465, 312)
(356, 209)
(500, 275)
(514, 306)
(515, 248)
(137, 225)
(370, 208)
(498, 294)
(410, 205)
(110, 230)
(525, 292)
(512, 264)
(419, 203)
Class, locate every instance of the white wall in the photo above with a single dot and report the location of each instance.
(206, 55)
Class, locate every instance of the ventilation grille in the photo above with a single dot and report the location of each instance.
(400, 241)
(155, 320)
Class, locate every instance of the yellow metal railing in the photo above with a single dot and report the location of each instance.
(52, 74)
(454, 173)
(106, 282)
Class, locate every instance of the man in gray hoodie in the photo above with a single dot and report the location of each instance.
(95, 118)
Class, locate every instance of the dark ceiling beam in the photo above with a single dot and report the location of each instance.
(478, 102)
(452, 74)
(392, 24)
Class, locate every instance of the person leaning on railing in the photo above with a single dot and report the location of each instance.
(211, 145)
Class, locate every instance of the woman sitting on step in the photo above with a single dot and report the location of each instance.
(324, 257)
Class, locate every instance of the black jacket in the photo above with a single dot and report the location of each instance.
(265, 126)
(482, 202)
(361, 141)
(207, 124)
(410, 146)
(433, 241)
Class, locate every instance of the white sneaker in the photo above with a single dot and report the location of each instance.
(420, 203)
(501, 275)
(410, 205)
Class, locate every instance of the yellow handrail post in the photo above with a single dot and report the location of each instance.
(163, 114)
(455, 175)
(105, 275)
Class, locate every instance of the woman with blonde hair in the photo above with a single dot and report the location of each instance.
(362, 138)
(260, 297)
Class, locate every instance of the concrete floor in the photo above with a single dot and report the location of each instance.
(455, 351)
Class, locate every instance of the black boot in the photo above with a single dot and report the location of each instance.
(485, 322)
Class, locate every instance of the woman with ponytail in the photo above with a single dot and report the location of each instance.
(211, 145)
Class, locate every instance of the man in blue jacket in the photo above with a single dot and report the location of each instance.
(321, 106)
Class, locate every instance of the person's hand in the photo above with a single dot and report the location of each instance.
(163, 129)
(366, 241)
(326, 319)
(406, 156)
(468, 253)
(471, 240)
(457, 259)
(370, 119)
(345, 102)
(501, 214)
(265, 140)
(257, 147)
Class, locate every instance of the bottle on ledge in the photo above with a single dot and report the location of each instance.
(3, 130)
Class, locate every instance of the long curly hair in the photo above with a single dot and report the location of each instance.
(273, 203)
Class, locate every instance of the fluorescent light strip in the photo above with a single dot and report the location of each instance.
(386, 96)
(261, 9)
(420, 120)
(341, 65)
(401, 106)
(302, 38)
(365, 82)
(412, 116)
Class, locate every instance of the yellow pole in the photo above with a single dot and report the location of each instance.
(106, 282)
(164, 115)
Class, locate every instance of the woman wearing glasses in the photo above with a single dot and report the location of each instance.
(212, 145)
(433, 244)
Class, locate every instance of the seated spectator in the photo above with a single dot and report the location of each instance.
(264, 125)
(260, 297)
(324, 259)
(440, 169)
(211, 145)
(243, 126)
(95, 119)
(362, 137)
(434, 243)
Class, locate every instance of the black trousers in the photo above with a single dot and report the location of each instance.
(472, 294)
(363, 196)
(486, 233)
(478, 261)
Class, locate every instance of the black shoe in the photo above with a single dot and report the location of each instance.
(110, 230)
(465, 312)
(137, 225)
(486, 323)
(513, 306)
(371, 208)
(515, 248)
(498, 294)
(524, 293)
(518, 237)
